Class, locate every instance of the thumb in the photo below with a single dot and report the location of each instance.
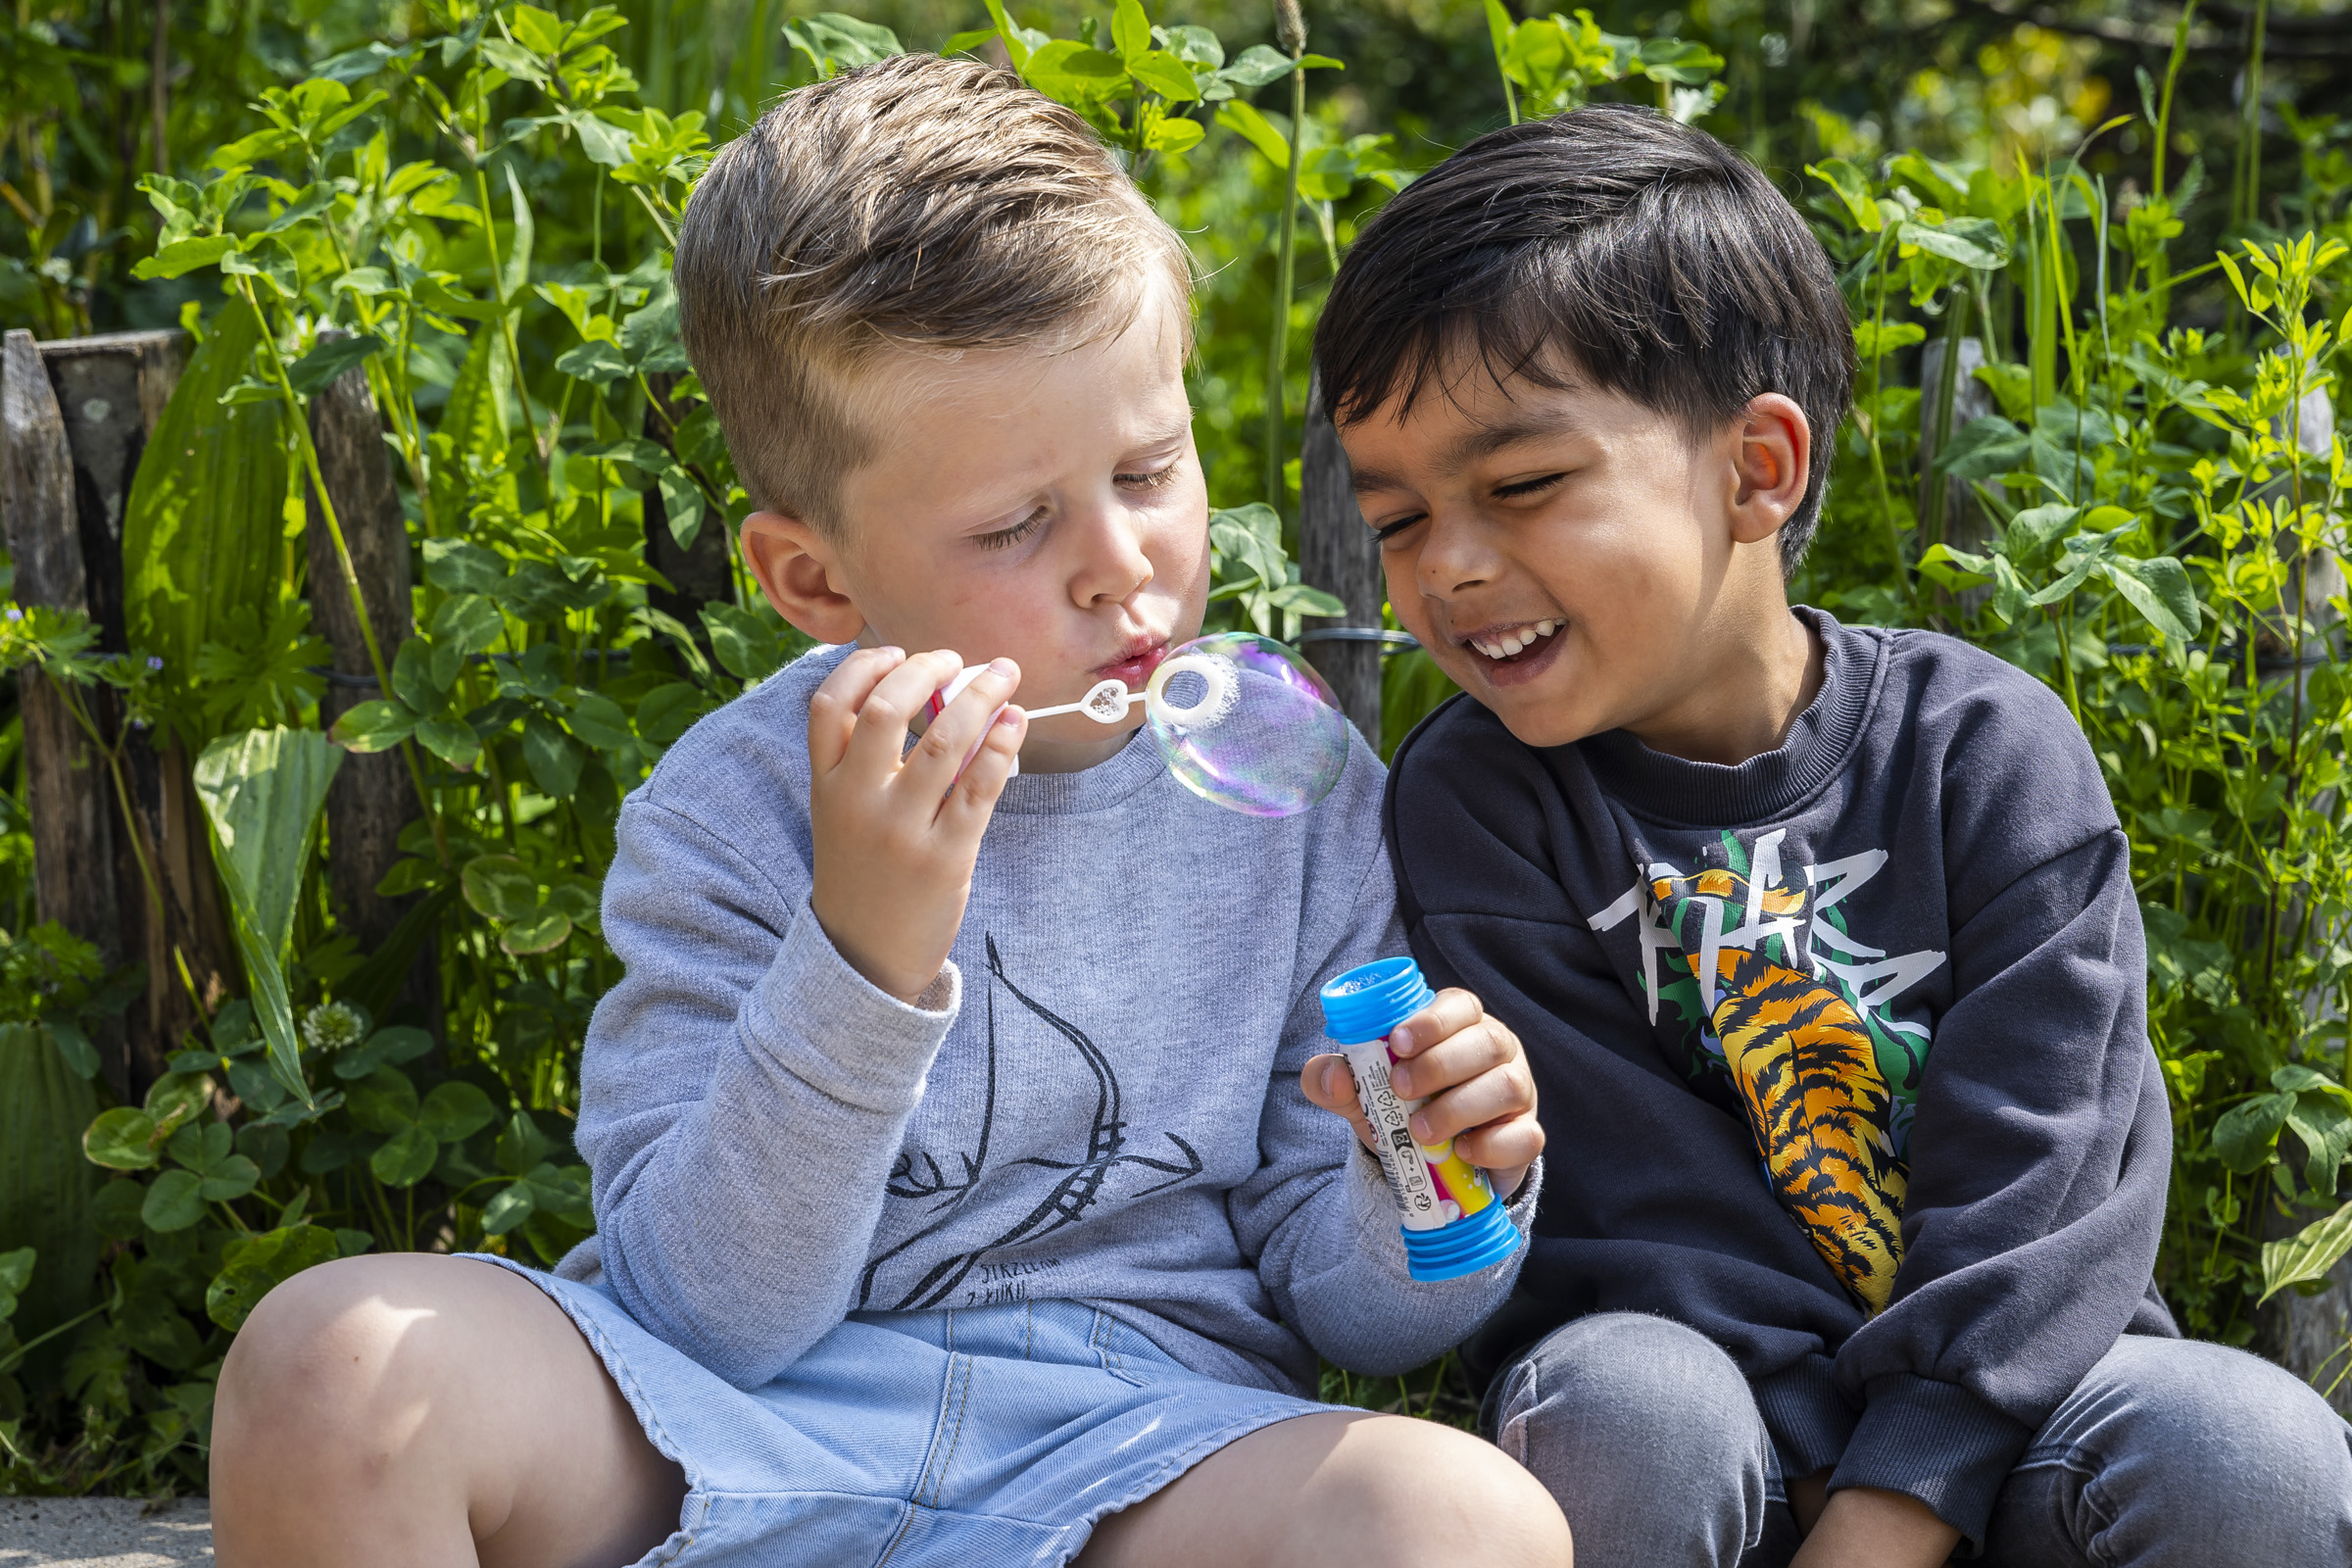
(1326, 1081)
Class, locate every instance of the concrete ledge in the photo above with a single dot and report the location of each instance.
(104, 1533)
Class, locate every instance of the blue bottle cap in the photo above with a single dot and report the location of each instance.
(1469, 1244)
(1372, 998)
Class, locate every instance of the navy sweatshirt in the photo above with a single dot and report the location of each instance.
(1843, 1052)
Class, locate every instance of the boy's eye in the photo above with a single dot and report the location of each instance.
(1007, 538)
(1528, 487)
(1148, 481)
(1387, 531)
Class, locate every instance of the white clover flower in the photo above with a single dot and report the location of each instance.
(330, 1026)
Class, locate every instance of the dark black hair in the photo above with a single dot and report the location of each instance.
(1609, 244)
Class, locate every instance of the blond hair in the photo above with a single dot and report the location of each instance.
(919, 203)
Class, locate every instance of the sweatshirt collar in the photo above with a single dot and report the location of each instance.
(1098, 788)
(1676, 790)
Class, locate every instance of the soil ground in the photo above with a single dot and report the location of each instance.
(104, 1533)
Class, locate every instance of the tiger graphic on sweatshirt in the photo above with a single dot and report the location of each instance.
(1789, 1007)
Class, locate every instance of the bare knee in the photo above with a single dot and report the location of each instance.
(1430, 1494)
(326, 1359)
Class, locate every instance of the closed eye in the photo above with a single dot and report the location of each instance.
(1529, 487)
(1156, 480)
(1387, 531)
(1007, 538)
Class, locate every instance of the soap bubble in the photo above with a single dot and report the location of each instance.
(1247, 723)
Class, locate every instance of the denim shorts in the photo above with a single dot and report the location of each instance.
(970, 1436)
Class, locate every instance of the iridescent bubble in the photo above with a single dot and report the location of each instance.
(1247, 723)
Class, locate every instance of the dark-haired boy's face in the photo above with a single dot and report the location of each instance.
(1579, 563)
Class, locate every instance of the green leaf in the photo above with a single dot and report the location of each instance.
(15, 1271)
(681, 504)
(451, 740)
(406, 1157)
(2244, 1138)
(834, 42)
(319, 369)
(454, 1111)
(255, 1265)
(2159, 589)
(746, 644)
(596, 362)
(1069, 72)
(1255, 128)
(1954, 568)
(201, 1147)
(543, 932)
(1258, 65)
(598, 721)
(500, 887)
(229, 1180)
(174, 1203)
(383, 1101)
(203, 530)
(1975, 242)
(510, 1207)
(2326, 1134)
(2309, 1254)
(1174, 135)
(186, 256)
(121, 1139)
(1166, 75)
(82, 1058)
(514, 266)
(553, 757)
(1852, 187)
(262, 792)
(1130, 29)
(376, 725)
(266, 258)
(384, 1048)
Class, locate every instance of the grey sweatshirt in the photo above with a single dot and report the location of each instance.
(1096, 1100)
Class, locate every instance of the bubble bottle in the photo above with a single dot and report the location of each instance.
(1454, 1224)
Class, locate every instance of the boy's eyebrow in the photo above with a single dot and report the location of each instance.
(1483, 442)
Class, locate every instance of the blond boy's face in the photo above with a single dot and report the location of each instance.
(1047, 508)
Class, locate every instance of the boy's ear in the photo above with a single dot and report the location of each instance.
(799, 570)
(1772, 463)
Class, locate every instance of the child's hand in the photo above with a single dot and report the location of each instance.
(1470, 1068)
(897, 834)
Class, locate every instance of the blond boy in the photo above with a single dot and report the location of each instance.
(959, 1175)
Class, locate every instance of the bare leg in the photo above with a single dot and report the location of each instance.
(1352, 1492)
(431, 1412)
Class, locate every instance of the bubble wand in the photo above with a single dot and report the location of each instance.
(1239, 719)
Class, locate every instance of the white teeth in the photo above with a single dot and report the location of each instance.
(1517, 640)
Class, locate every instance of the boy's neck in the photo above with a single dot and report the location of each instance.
(1748, 691)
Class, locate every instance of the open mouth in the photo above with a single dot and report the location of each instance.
(1517, 643)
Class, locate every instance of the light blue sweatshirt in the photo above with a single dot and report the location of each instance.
(1096, 1100)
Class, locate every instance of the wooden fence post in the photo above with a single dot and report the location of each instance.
(71, 802)
(1337, 553)
(102, 398)
(372, 798)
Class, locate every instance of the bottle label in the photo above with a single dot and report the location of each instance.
(1433, 1186)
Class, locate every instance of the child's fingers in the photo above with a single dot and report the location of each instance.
(833, 707)
(879, 738)
(1326, 1081)
(1508, 1146)
(930, 770)
(1454, 1010)
(1498, 1094)
(965, 811)
(1460, 1057)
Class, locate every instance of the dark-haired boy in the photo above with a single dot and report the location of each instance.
(1822, 939)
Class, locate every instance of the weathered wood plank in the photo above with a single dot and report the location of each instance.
(71, 804)
(1337, 553)
(373, 796)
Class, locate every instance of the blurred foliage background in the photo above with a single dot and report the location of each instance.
(2081, 440)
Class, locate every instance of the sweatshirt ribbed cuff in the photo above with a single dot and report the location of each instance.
(1807, 1418)
(1936, 1441)
(836, 1031)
